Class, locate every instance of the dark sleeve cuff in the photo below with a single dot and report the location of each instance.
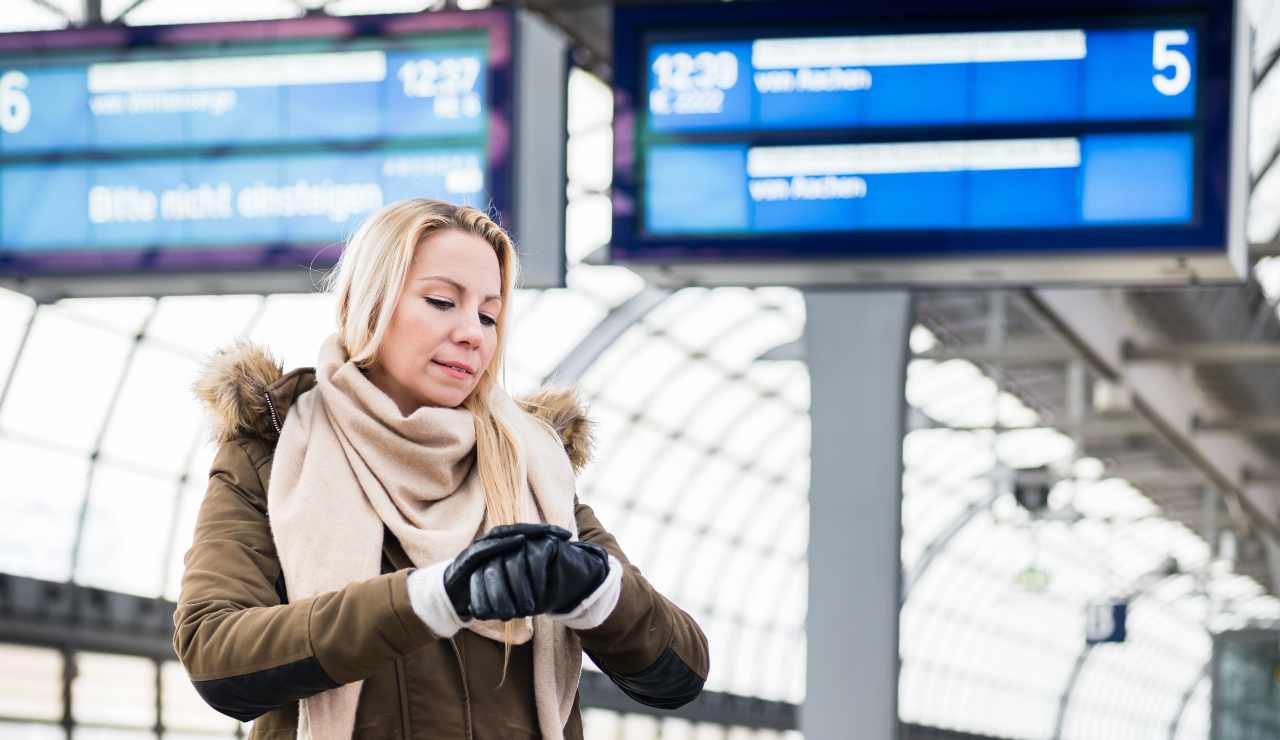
(251, 695)
(667, 684)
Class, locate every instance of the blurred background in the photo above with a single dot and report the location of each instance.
(1032, 488)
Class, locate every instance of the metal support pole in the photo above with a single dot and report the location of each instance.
(1209, 517)
(69, 671)
(83, 517)
(857, 352)
(1064, 701)
(1271, 551)
(159, 728)
(997, 333)
(17, 354)
(93, 13)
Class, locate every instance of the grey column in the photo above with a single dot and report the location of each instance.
(857, 353)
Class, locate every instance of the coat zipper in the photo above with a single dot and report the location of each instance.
(466, 691)
(275, 419)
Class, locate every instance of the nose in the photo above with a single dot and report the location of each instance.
(468, 331)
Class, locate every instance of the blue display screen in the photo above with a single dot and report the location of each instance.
(246, 96)
(181, 203)
(930, 141)
(851, 82)
(238, 146)
(1103, 179)
(941, 136)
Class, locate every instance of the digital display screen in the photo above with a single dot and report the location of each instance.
(1067, 75)
(768, 134)
(179, 203)
(250, 138)
(436, 89)
(987, 184)
(863, 83)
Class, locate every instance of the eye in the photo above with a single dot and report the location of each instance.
(440, 304)
(488, 320)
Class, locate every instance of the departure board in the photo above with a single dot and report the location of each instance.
(757, 137)
(1064, 75)
(178, 203)
(430, 87)
(256, 144)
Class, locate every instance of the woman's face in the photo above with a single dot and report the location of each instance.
(444, 330)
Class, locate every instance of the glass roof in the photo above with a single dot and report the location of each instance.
(701, 471)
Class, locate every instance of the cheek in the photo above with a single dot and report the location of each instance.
(489, 347)
(423, 330)
(411, 340)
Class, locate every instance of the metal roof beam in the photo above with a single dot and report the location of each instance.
(120, 17)
(1010, 353)
(49, 6)
(1158, 477)
(787, 352)
(1262, 476)
(1238, 424)
(1259, 250)
(1202, 353)
(1094, 427)
(589, 26)
(601, 337)
(1099, 323)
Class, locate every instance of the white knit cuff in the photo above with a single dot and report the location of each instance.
(599, 604)
(431, 602)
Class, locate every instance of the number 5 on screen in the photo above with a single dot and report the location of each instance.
(1163, 57)
(15, 107)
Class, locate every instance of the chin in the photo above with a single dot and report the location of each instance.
(447, 398)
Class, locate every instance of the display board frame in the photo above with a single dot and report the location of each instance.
(1213, 250)
(525, 131)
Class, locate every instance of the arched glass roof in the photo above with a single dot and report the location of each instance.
(701, 471)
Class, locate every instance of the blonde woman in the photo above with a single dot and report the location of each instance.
(390, 546)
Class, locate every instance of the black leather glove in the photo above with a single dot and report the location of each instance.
(548, 574)
(457, 577)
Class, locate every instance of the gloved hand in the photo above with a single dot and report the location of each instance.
(548, 574)
(469, 562)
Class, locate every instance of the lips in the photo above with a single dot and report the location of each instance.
(459, 366)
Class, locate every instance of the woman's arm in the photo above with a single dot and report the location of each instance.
(248, 650)
(647, 645)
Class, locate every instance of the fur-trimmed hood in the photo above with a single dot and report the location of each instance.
(246, 392)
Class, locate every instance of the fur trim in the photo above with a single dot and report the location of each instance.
(563, 411)
(233, 387)
(233, 383)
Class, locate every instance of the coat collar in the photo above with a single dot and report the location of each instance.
(246, 393)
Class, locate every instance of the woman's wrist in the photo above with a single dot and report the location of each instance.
(599, 604)
(430, 600)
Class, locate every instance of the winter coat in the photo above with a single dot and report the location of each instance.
(252, 653)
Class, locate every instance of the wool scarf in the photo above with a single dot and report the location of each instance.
(349, 462)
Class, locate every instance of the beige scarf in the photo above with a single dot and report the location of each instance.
(349, 462)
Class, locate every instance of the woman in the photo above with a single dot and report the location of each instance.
(390, 547)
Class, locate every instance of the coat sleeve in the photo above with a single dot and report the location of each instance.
(648, 646)
(247, 650)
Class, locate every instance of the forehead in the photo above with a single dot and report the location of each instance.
(466, 258)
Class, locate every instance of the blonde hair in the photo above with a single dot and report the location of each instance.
(368, 281)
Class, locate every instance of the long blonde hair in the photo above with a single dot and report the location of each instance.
(368, 281)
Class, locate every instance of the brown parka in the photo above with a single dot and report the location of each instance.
(252, 653)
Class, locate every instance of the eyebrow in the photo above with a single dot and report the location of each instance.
(459, 286)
